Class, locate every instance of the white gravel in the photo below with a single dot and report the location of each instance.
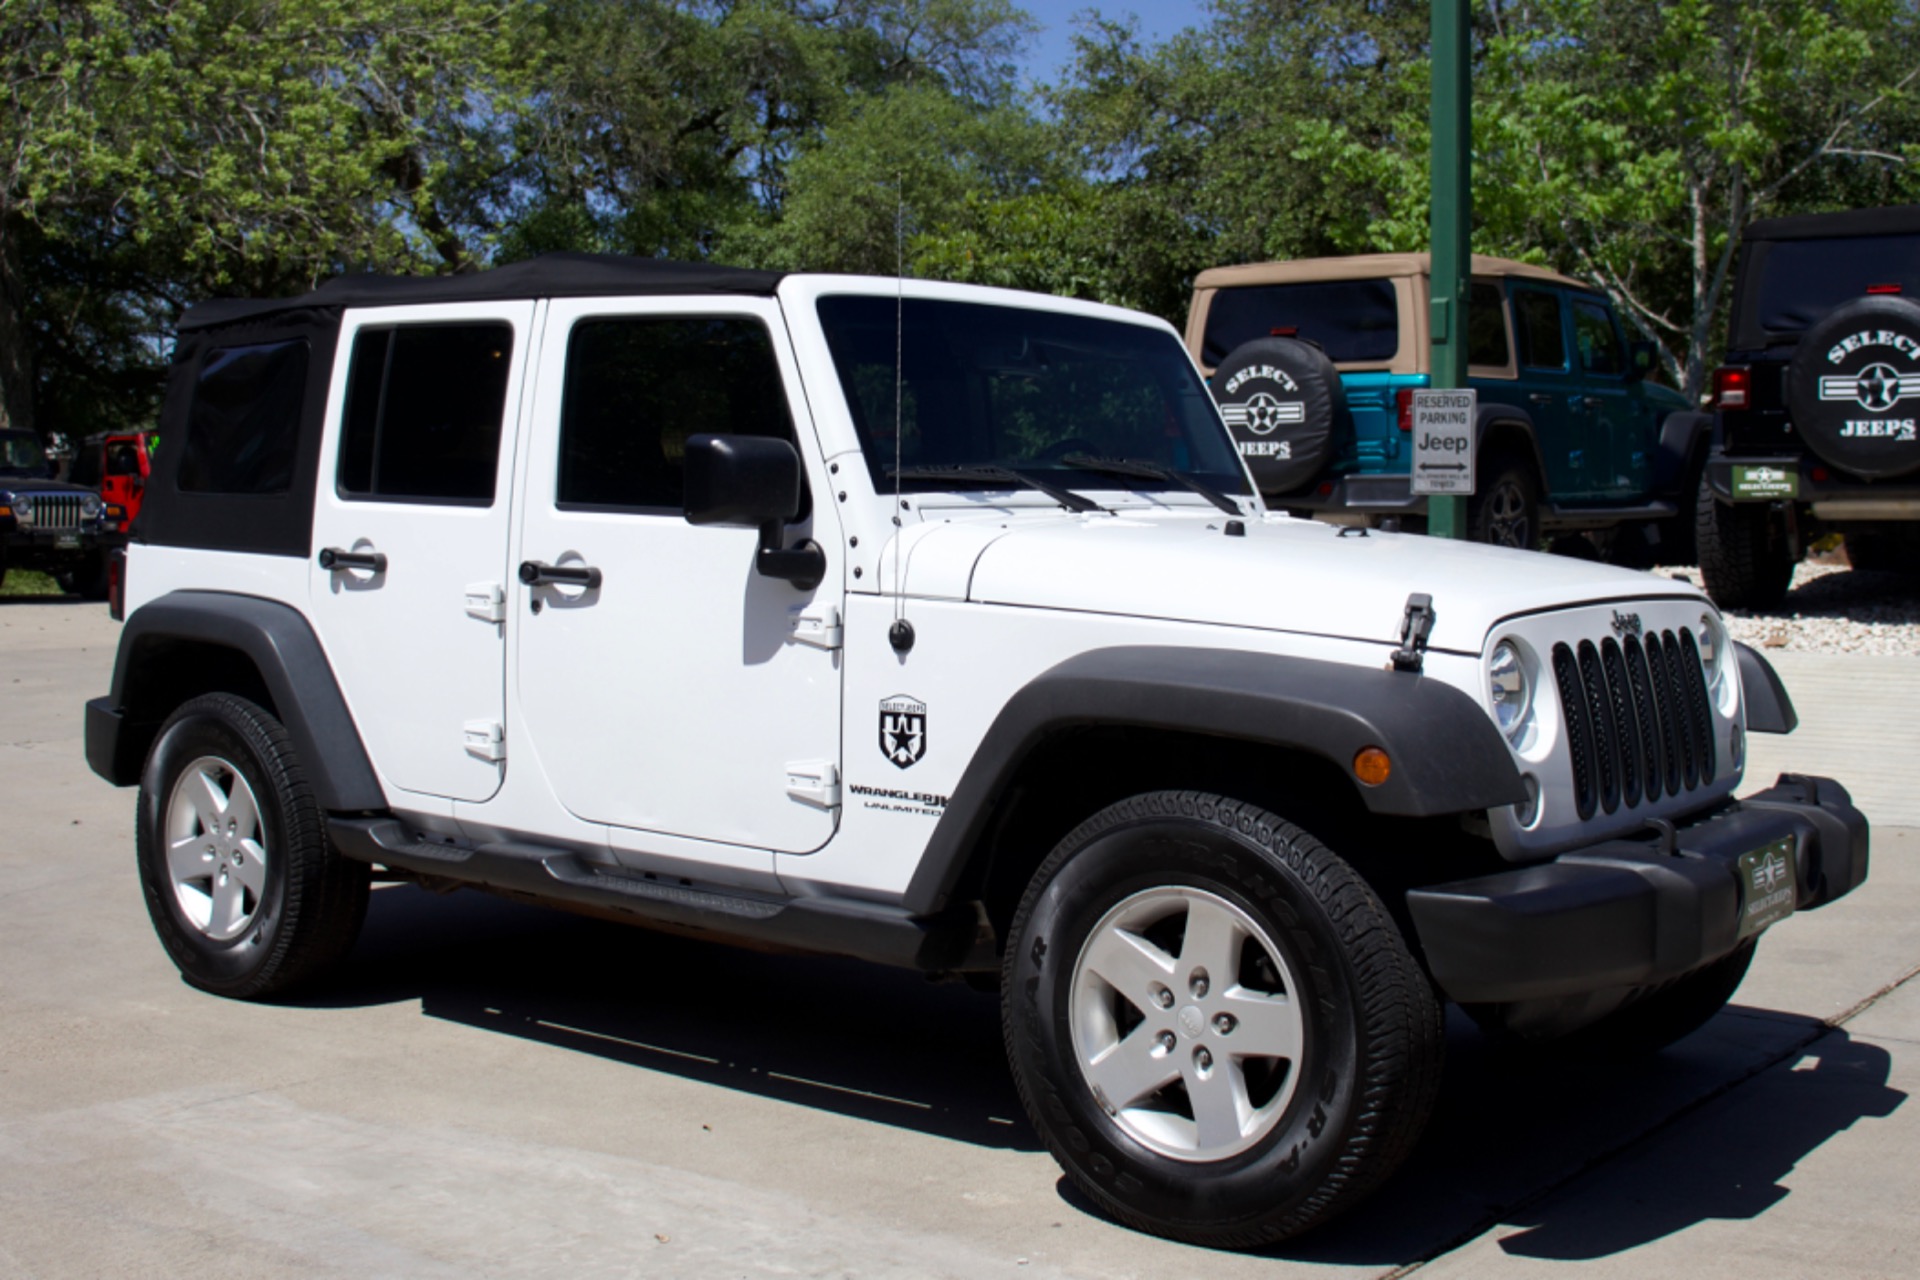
(1832, 608)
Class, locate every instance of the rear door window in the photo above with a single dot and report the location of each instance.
(1802, 280)
(424, 408)
(1354, 321)
(1486, 326)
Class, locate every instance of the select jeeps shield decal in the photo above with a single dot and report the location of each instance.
(1877, 387)
(903, 730)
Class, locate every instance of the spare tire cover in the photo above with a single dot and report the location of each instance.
(1282, 402)
(1853, 388)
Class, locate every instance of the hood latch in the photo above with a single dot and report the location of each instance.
(1415, 627)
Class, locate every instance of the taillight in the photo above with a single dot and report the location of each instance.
(1731, 383)
(1403, 407)
(117, 584)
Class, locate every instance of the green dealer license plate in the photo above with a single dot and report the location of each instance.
(1768, 886)
(1754, 484)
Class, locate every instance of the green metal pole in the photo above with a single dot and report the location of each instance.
(1450, 220)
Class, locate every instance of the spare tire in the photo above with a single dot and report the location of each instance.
(1853, 388)
(1283, 405)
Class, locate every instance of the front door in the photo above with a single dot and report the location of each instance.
(1553, 397)
(411, 524)
(683, 694)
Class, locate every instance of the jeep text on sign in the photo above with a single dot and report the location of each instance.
(1443, 441)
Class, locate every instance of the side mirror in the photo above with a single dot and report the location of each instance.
(1642, 359)
(753, 482)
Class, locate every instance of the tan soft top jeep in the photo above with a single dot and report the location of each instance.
(1570, 434)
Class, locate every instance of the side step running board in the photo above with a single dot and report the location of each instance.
(836, 926)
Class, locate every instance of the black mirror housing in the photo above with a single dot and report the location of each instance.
(753, 481)
(741, 480)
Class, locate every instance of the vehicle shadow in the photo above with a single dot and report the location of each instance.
(845, 1036)
(1510, 1132)
(1705, 1130)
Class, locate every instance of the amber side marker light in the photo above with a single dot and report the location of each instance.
(1372, 766)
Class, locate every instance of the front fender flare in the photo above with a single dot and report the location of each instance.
(1447, 755)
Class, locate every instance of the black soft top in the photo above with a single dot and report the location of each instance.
(551, 275)
(1892, 220)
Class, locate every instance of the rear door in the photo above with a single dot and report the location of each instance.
(411, 515)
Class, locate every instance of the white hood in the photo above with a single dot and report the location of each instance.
(1282, 575)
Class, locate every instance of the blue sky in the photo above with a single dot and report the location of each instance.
(1053, 47)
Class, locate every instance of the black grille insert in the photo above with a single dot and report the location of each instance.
(1639, 719)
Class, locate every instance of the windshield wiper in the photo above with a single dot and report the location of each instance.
(1006, 475)
(1145, 470)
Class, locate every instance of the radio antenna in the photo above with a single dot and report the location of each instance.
(900, 634)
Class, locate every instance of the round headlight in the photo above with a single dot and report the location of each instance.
(1512, 690)
(90, 506)
(23, 507)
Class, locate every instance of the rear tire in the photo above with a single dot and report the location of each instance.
(244, 889)
(1506, 512)
(1214, 1023)
(1746, 557)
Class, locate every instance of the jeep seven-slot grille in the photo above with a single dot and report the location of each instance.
(56, 510)
(1638, 719)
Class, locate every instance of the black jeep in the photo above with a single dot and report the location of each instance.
(1817, 404)
(63, 529)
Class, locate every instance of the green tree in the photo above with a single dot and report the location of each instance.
(159, 151)
(1634, 141)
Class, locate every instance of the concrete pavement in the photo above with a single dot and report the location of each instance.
(493, 1089)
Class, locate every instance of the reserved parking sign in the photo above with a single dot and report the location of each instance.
(1443, 440)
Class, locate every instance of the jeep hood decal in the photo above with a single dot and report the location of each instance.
(1283, 575)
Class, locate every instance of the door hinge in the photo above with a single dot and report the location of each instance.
(814, 782)
(820, 628)
(486, 739)
(487, 601)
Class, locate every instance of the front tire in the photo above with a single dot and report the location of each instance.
(1213, 1022)
(245, 892)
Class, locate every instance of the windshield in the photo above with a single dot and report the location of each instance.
(21, 454)
(983, 386)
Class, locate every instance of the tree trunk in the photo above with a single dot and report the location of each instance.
(16, 353)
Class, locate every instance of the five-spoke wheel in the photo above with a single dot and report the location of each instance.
(1213, 1021)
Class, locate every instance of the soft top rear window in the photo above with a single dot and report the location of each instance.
(1801, 280)
(1352, 320)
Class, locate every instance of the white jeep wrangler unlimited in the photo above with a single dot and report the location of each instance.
(939, 626)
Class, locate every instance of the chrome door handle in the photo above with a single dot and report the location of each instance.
(535, 573)
(334, 560)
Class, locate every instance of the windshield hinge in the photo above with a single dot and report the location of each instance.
(1415, 627)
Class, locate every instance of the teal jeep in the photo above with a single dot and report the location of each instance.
(1314, 363)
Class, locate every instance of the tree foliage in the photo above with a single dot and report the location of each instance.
(158, 151)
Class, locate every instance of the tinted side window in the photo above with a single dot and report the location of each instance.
(1486, 326)
(424, 408)
(1536, 321)
(1805, 279)
(245, 420)
(1593, 333)
(1352, 320)
(638, 386)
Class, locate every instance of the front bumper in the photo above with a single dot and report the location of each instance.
(1633, 913)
